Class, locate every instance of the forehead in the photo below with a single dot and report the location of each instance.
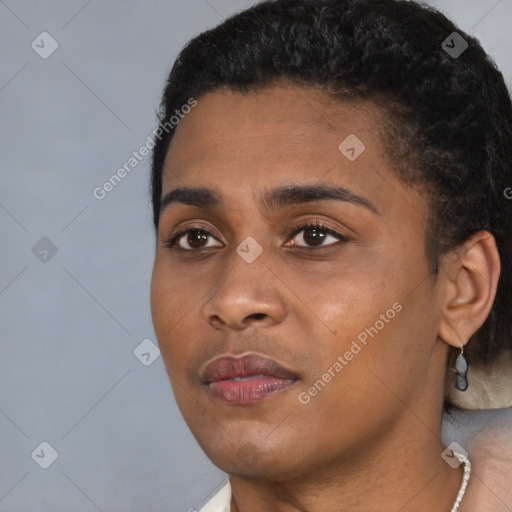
(278, 122)
(240, 143)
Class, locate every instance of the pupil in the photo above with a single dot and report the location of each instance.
(196, 237)
(316, 237)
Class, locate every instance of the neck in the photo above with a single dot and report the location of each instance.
(404, 472)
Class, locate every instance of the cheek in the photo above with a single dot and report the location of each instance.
(170, 306)
(369, 318)
(342, 298)
(172, 296)
(161, 300)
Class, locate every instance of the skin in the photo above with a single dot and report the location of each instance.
(370, 439)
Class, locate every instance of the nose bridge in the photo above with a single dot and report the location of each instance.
(247, 292)
(246, 274)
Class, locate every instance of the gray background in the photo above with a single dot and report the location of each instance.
(71, 321)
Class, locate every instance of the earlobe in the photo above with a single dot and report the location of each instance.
(470, 278)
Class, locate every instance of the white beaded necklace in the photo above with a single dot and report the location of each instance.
(467, 472)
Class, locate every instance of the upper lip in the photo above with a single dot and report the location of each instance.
(227, 367)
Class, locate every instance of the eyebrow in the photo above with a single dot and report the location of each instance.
(278, 198)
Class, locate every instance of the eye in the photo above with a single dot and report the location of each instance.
(197, 238)
(314, 234)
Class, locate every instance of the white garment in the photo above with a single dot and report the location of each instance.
(220, 502)
(491, 449)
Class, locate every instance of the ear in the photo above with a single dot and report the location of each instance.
(471, 273)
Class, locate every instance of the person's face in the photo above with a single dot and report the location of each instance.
(362, 292)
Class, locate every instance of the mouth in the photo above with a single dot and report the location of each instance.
(246, 379)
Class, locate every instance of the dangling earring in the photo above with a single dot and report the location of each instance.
(461, 367)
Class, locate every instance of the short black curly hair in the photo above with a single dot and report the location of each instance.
(449, 118)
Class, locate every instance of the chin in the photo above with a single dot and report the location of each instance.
(253, 456)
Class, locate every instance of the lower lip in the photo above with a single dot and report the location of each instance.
(239, 392)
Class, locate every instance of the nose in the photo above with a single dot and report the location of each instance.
(246, 296)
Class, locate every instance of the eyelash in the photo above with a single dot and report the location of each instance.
(316, 224)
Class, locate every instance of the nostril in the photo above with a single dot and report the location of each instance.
(257, 316)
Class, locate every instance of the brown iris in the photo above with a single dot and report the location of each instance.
(316, 237)
(196, 237)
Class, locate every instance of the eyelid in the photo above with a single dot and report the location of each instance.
(320, 225)
(171, 242)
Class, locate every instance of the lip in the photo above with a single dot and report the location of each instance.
(262, 376)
